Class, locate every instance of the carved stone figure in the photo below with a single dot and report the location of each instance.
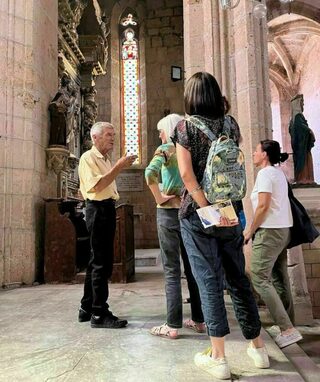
(58, 114)
(72, 117)
(77, 7)
(302, 141)
(90, 111)
(62, 109)
(61, 66)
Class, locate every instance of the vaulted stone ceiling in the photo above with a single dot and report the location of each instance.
(291, 37)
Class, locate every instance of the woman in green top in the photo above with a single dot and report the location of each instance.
(164, 164)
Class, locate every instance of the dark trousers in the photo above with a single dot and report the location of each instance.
(170, 243)
(101, 224)
(214, 252)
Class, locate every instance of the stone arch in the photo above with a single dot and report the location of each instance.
(292, 42)
(299, 7)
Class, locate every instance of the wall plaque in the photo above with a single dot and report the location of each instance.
(132, 181)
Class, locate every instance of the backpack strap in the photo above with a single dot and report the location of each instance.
(227, 126)
(202, 127)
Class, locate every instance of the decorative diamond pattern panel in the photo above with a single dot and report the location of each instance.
(131, 109)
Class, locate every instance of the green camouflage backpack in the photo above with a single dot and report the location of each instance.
(224, 176)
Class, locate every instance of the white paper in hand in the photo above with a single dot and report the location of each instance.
(209, 216)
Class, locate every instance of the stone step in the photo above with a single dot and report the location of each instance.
(143, 258)
(308, 196)
(147, 257)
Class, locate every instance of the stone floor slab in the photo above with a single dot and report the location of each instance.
(41, 340)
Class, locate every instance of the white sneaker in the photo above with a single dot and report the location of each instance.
(259, 356)
(283, 340)
(218, 368)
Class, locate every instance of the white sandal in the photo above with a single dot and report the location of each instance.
(164, 331)
(199, 327)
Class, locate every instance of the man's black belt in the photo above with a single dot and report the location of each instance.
(109, 201)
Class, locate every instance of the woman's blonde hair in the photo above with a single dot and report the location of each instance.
(168, 123)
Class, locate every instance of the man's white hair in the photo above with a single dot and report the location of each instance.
(99, 127)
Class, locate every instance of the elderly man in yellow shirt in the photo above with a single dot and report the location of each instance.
(98, 188)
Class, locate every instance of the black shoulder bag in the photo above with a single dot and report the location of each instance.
(303, 230)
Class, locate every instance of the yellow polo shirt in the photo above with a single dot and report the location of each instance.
(92, 166)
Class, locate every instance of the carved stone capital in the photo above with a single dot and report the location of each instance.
(73, 161)
(57, 158)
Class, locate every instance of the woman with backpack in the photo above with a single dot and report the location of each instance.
(164, 165)
(215, 251)
(271, 230)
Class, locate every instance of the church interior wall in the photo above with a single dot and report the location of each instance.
(29, 70)
(276, 119)
(32, 50)
(161, 45)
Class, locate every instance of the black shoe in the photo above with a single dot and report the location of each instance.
(107, 322)
(110, 315)
(84, 316)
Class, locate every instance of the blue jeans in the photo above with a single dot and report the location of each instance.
(213, 253)
(170, 242)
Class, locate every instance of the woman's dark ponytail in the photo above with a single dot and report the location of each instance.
(283, 157)
(272, 148)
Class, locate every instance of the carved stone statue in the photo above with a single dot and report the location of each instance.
(77, 7)
(62, 109)
(89, 115)
(302, 141)
(73, 128)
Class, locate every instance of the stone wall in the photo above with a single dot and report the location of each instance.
(311, 254)
(164, 47)
(161, 46)
(28, 81)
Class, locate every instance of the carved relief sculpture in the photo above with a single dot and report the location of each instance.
(62, 109)
(90, 111)
(302, 141)
(72, 118)
(58, 114)
(70, 13)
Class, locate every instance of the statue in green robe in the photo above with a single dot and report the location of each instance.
(302, 141)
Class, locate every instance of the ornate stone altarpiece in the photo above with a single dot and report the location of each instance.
(82, 55)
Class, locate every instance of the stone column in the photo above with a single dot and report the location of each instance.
(28, 80)
(194, 35)
(206, 39)
(251, 82)
(232, 45)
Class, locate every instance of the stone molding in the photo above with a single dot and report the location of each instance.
(57, 158)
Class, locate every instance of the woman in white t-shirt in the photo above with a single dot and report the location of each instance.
(270, 231)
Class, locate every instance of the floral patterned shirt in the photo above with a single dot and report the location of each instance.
(195, 141)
